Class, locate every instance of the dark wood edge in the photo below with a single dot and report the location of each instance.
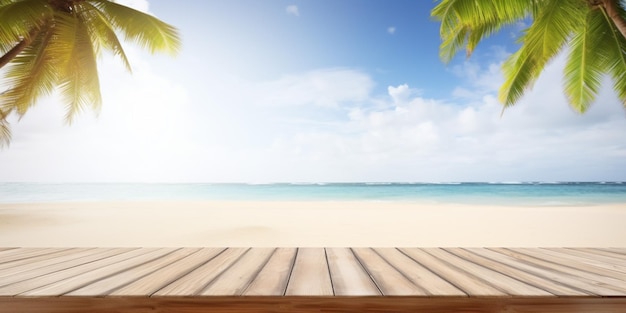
(128, 304)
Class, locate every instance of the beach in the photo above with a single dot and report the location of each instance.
(216, 223)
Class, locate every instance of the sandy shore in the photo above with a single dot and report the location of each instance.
(308, 224)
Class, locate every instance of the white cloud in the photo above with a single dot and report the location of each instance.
(323, 125)
(391, 30)
(292, 10)
(325, 88)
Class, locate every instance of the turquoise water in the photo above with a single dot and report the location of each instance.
(545, 194)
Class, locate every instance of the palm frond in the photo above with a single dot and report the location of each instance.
(144, 29)
(101, 32)
(520, 72)
(615, 46)
(18, 18)
(552, 28)
(586, 62)
(5, 130)
(453, 42)
(78, 81)
(548, 34)
(32, 74)
(466, 23)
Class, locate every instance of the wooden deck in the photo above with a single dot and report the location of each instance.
(312, 279)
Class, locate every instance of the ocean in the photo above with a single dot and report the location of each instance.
(518, 193)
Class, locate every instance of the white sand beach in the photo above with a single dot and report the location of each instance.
(308, 224)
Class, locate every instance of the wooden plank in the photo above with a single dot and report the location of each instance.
(196, 280)
(535, 280)
(78, 280)
(347, 275)
(596, 263)
(562, 278)
(419, 275)
(617, 256)
(150, 284)
(14, 265)
(389, 280)
(467, 282)
(572, 262)
(273, 278)
(621, 251)
(607, 282)
(106, 285)
(311, 304)
(310, 275)
(236, 279)
(111, 257)
(88, 257)
(502, 282)
(591, 256)
(34, 263)
(24, 253)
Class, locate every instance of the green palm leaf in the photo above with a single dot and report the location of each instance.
(546, 37)
(54, 44)
(144, 29)
(19, 19)
(616, 51)
(102, 32)
(465, 23)
(78, 81)
(586, 62)
(597, 41)
(31, 75)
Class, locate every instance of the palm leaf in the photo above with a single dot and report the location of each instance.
(19, 18)
(31, 75)
(547, 36)
(586, 62)
(144, 29)
(78, 82)
(466, 23)
(102, 32)
(615, 46)
(520, 71)
(5, 130)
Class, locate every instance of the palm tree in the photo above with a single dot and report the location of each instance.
(53, 44)
(593, 30)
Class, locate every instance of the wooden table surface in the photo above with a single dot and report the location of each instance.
(307, 279)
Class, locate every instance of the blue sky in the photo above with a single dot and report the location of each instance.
(308, 91)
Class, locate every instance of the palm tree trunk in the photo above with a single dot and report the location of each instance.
(612, 11)
(15, 51)
(7, 57)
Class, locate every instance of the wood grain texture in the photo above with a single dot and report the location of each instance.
(556, 276)
(468, 282)
(77, 280)
(348, 277)
(537, 281)
(310, 275)
(148, 285)
(47, 275)
(140, 280)
(196, 280)
(238, 277)
(24, 253)
(507, 284)
(273, 278)
(304, 304)
(105, 285)
(388, 279)
(608, 282)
